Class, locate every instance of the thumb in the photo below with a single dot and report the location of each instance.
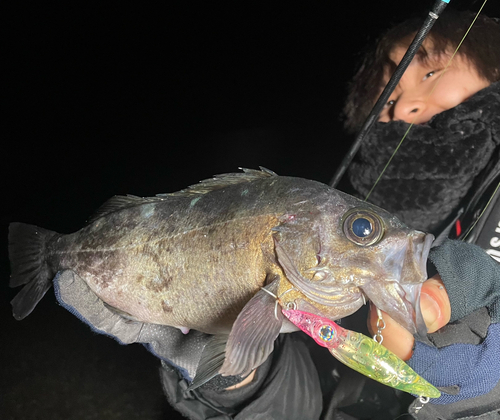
(436, 310)
(435, 304)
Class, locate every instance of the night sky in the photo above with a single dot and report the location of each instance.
(114, 98)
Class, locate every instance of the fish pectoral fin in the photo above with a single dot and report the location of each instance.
(253, 334)
(121, 313)
(211, 361)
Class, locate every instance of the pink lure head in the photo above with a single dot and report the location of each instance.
(324, 331)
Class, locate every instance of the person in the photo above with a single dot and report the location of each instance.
(448, 166)
(461, 303)
(453, 145)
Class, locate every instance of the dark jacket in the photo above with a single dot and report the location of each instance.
(439, 166)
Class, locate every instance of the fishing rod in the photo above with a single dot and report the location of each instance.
(433, 15)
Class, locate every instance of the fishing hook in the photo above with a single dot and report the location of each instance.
(288, 305)
(423, 400)
(378, 337)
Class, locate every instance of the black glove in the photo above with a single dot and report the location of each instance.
(464, 358)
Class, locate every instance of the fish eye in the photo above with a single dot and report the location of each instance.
(326, 333)
(363, 227)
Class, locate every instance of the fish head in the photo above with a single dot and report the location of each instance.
(361, 242)
(324, 331)
(363, 252)
(389, 260)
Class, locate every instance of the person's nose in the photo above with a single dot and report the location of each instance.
(409, 109)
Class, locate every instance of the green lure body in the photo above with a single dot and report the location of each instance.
(362, 354)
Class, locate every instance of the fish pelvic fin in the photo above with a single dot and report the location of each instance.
(252, 336)
(211, 361)
(29, 267)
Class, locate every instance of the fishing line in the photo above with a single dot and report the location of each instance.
(412, 123)
(426, 99)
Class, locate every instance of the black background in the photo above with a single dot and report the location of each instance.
(116, 98)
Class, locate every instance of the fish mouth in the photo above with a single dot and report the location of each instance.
(415, 261)
(399, 296)
(412, 291)
(413, 275)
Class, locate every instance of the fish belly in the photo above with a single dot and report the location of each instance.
(199, 278)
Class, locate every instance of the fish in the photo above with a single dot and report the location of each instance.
(213, 256)
(363, 354)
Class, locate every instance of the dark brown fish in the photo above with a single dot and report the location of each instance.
(199, 258)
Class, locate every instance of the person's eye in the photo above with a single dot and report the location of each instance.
(390, 103)
(430, 74)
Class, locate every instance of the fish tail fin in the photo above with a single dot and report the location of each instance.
(27, 254)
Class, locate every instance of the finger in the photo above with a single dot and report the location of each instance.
(396, 338)
(436, 310)
(435, 304)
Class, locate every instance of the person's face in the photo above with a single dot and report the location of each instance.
(411, 102)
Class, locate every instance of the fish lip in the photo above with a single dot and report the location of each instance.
(421, 328)
(422, 249)
(417, 254)
(424, 254)
(406, 309)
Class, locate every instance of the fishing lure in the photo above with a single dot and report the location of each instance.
(362, 354)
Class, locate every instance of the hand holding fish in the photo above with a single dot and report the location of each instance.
(167, 343)
(436, 311)
(463, 358)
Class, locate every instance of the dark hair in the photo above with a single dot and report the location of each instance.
(481, 48)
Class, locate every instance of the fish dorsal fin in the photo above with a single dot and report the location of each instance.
(121, 202)
(222, 181)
